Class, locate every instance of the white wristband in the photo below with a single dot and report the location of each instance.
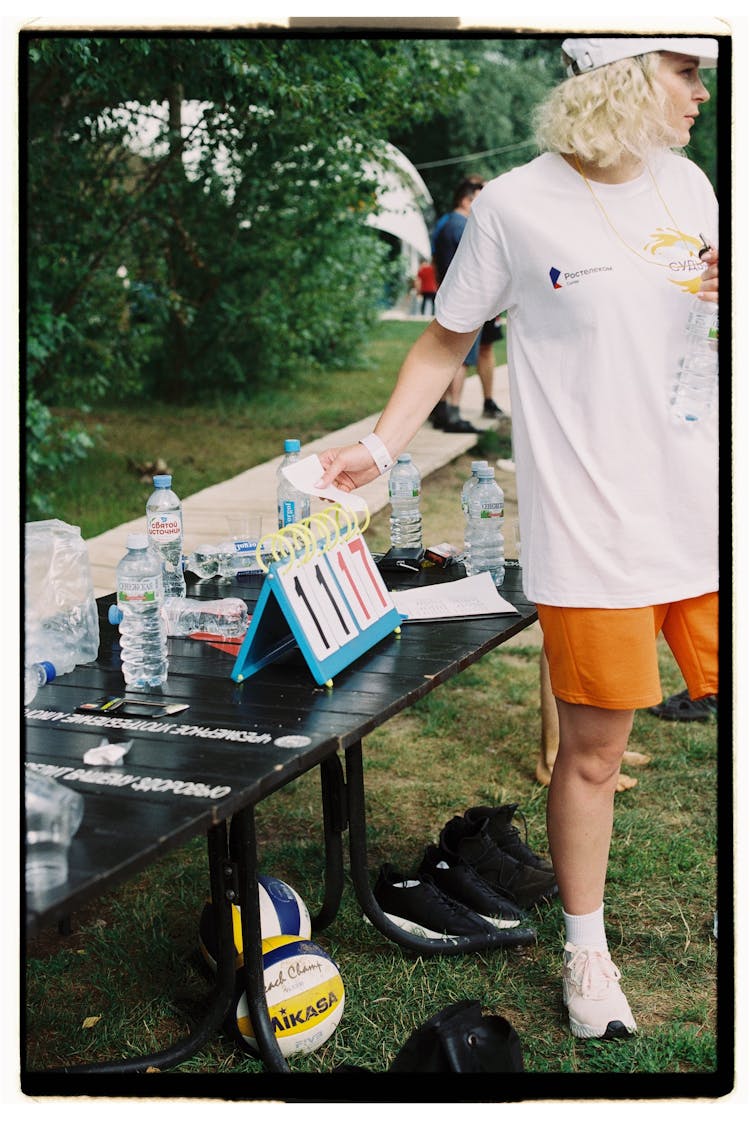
(378, 451)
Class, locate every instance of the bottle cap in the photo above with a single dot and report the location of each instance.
(114, 614)
(164, 481)
(49, 669)
(486, 472)
(405, 457)
(137, 541)
(291, 445)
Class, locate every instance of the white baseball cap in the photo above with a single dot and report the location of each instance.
(589, 54)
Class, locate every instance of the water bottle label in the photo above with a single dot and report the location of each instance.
(144, 590)
(288, 511)
(704, 322)
(165, 527)
(245, 546)
(493, 510)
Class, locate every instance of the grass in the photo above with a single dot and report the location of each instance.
(130, 959)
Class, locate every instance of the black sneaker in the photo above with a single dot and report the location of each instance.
(680, 707)
(491, 409)
(439, 415)
(419, 907)
(470, 842)
(461, 882)
(506, 835)
(459, 425)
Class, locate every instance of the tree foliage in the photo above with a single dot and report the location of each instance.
(230, 248)
(484, 127)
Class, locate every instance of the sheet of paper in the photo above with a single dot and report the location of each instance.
(474, 595)
(304, 475)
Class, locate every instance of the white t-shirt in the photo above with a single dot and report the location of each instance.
(618, 501)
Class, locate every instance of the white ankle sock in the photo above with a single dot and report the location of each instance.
(586, 930)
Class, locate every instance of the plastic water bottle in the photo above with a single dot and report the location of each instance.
(698, 374)
(292, 504)
(140, 598)
(484, 528)
(164, 528)
(236, 557)
(226, 617)
(465, 489)
(204, 561)
(470, 482)
(404, 491)
(34, 676)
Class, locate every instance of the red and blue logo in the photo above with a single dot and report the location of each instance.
(554, 275)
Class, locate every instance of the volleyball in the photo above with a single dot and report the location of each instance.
(304, 994)
(282, 912)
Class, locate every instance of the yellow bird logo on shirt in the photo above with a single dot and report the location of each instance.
(665, 239)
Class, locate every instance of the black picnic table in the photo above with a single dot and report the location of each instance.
(204, 771)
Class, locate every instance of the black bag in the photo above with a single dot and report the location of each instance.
(460, 1040)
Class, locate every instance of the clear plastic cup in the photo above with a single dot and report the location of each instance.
(53, 814)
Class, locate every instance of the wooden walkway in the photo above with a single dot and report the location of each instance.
(206, 514)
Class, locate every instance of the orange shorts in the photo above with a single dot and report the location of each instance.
(607, 657)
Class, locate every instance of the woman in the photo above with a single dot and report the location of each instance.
(593, 250)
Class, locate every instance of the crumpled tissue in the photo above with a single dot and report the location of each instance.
(107, 754)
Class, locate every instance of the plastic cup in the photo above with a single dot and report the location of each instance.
(53, 814)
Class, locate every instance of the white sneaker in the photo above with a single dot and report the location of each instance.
(597, 1008)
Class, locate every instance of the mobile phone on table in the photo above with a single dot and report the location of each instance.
(131, 706)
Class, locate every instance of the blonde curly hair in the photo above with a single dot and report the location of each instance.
(601, 114)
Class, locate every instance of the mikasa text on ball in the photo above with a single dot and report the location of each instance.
(304, 993)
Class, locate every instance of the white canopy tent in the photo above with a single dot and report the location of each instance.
(403, 201)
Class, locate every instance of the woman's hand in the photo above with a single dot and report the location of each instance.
(709, 289)
(347, 468)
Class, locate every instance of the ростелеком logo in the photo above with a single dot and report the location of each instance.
(554, 275)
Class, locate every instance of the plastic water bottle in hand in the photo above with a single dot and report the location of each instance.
(695, 391)
(164, 528)
(292, 504)
(698, 376)
(484, 527)
(404, 492)
(140, 599)
(36, 675)
(226, 617)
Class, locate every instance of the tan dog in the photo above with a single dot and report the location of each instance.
(551, 734)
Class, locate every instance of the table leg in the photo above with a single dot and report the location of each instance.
(244, 850)
(459, 944)
(333, 797)
(225, 980)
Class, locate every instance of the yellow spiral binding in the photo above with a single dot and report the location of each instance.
(300, 541)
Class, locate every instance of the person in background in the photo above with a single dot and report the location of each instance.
(593, 249)
(491, 333)
(448, 232)
(426, 286)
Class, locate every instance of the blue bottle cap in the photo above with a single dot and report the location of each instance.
(164, 481)
(114, 614)
(49, 669)
(291, 445)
